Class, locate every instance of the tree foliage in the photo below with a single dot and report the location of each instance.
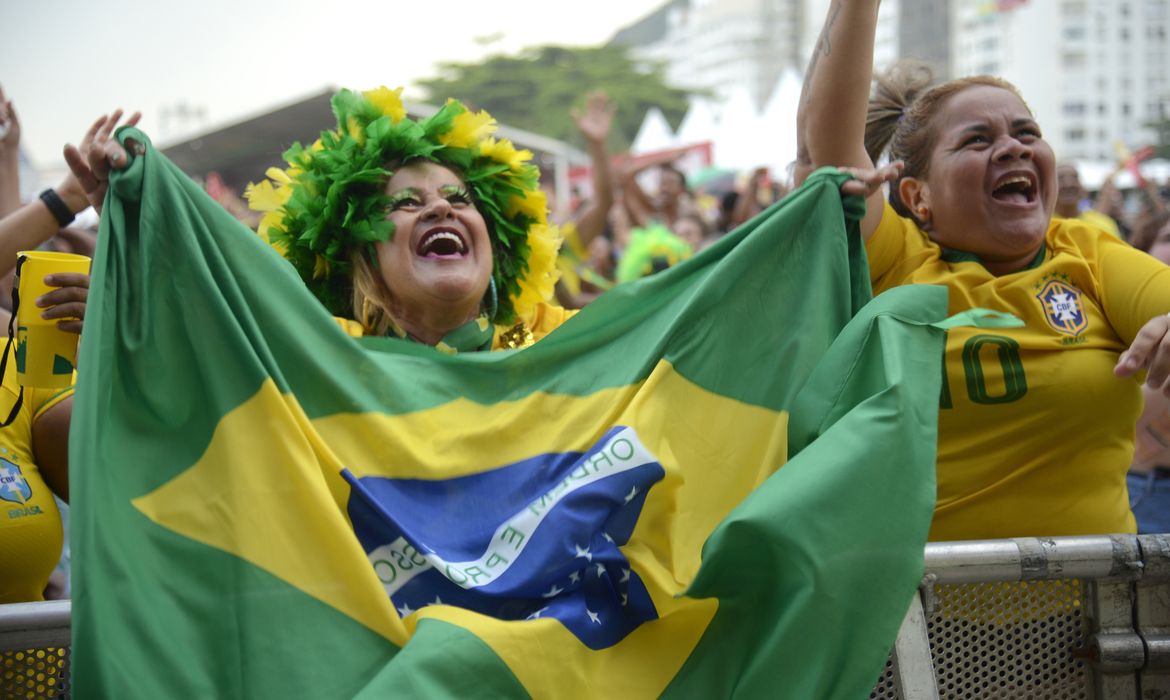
(536, 89)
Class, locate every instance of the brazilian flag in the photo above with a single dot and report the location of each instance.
(714, 482)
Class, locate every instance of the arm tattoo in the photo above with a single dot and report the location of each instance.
(823, 47)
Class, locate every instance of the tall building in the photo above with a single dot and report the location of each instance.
(722, 45)
(1094, 72)
(918, 29)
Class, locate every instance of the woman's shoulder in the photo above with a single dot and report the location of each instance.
(1082, 237)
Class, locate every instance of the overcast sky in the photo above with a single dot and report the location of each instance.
(64, 62)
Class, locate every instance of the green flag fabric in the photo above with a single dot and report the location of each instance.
(714, 482)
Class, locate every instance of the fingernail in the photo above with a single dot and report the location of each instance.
(41, 301)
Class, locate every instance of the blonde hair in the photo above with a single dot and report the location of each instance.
(901, 117)
(371, 297)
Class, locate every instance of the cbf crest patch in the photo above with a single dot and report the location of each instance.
(1062, 306)
(13, 487)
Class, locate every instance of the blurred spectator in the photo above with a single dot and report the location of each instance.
(727, 207)
(759, 194)
(591, 218)
(1149, 474)
(652, 249)
(1072, 202)
(670, 201)
(691, 229)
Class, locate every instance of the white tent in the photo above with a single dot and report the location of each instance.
(655, 133)
(778, 124)
(700, 123)
(736, 144)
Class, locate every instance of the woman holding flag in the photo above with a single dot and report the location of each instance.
(1024, 446)
(285, 465)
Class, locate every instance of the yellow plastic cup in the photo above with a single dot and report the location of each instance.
(44, 353)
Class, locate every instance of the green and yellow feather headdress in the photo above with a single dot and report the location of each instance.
(331, 199)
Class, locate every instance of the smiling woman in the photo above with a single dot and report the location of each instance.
(432, 230)
(1035, 429)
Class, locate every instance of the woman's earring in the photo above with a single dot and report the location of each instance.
(494, 306)
(923, 216)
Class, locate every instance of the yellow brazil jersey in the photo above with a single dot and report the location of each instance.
(1035, 431)
(30, 525)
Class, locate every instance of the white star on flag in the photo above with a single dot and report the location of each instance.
(600, 570)
(551, 592)
(593, 616)
(633, 492)
(404, 611)
(607, 537)
(583, 552)
(575, 577)
(536, 614)
(625, 576)
(625, 600)
(438, 601)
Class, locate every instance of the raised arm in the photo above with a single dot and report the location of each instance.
(9, 157)
(834, 102)
(594, 124)
(35, 222)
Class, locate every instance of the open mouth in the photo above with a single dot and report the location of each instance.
(441, 243)
(1015, 189)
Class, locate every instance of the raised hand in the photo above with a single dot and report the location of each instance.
(1150, 351)
(9, 125)
(91, 162)
(867, 181)
(597, 119)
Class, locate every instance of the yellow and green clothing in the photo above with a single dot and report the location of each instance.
(1035, 431)
(30, 525)
(479, 334)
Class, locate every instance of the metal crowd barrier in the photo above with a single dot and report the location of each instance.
(1084, 618)
(1065, 618)
(34, 650)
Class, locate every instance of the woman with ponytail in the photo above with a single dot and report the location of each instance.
(1036, 421)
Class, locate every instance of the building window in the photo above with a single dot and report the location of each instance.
(1075, 33)
(1074, 135)
(1073, 109)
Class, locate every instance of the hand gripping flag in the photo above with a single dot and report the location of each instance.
(715, 482)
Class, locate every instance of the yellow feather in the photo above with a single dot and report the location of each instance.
(502, 151)
(468, 129)
(533, 204)
(320, 268)
(538, 284)
(356, 130)
(262, 196)
(389, 101)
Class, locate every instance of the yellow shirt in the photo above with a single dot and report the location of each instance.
(1035, 431)
(30, 525)
(542, 321)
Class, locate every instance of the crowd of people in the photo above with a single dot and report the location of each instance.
(962, 191)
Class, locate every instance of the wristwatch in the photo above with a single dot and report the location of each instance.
(58, 207)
